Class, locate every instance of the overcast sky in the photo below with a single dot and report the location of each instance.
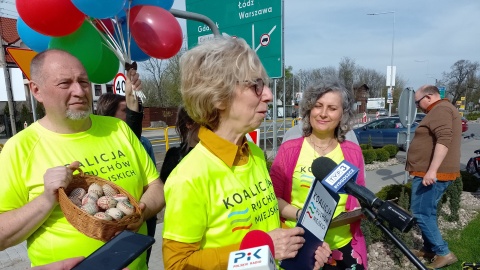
(430, 35)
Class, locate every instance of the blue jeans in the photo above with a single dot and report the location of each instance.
(424, 208)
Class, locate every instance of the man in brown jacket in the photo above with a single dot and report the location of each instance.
(433, 160)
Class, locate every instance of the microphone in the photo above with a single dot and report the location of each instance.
(323, 166)
(255, 253)
(341, 176)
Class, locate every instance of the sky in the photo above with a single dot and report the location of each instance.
(429, 37)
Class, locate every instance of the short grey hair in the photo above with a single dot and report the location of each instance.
(316, 91)
(210, 73)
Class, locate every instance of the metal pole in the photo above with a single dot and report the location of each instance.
(409, 124)
(293, 89)
(275, 114)
(390, 90)
(391, 66)
(8, 86)
(196, 17)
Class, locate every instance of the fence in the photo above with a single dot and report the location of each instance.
(166, 139)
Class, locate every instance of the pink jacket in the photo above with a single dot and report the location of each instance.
(281, 173)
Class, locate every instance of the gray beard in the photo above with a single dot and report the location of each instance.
(78, 115)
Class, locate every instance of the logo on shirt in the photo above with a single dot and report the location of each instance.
(240, 220)
(306, 181)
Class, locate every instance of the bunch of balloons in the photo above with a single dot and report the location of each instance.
(101, 33)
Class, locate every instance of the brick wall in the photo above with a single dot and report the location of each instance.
(167, 115)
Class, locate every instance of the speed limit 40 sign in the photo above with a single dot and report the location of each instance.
(119, 84)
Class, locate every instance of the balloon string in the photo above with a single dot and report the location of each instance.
(129, 36)
(120, 37)
(111, 44)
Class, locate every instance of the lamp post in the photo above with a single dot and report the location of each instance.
(424, 61)
(390, 90)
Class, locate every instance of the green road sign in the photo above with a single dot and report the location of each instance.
(259, 22)
(442, 91)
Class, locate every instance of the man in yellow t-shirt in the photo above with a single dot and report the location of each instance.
(41, 159)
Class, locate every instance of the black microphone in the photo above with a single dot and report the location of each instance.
(323, 166)
(339, 176)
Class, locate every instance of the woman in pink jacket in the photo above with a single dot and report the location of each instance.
(326, 109)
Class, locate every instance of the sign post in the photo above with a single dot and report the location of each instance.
(259, 22)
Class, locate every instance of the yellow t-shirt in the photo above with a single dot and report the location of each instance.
(301, 182)
(109, 149)
(209, 202)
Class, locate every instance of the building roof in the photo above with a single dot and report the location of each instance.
(8, 29)
(8, 26)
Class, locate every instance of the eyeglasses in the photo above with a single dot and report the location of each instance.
(257, 86)
(417, 102)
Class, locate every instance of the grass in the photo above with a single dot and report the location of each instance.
(465, 244)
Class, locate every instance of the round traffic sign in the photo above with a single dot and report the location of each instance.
(119, 84)
(265, 40)
(407, 110)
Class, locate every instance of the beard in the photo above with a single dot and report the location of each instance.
(78, 115)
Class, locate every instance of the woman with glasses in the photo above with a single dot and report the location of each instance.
(326, 110)
(221, 190)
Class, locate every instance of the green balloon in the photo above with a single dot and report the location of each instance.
(107, 69)
(85, 44)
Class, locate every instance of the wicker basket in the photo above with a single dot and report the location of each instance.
(89, 225)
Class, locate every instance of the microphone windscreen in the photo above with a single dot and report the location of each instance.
(257, 238)
(322, 166)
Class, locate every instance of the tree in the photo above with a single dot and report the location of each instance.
(162, 83)
(347, 72)
(373, 79)
(461, 78)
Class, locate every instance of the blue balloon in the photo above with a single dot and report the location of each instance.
(165, 4)
(136, 54)
(34, 40)
(99, 9)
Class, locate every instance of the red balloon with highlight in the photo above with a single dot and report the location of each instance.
(55, 18)
(156, 31)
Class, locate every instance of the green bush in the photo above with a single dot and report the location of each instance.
(391, 192)
(365, 146)
(391, 149)
(369, 156)
(473, 116)
(452, 195)
(382, 154)
(373, 234)
(402, 193)
(469, 181)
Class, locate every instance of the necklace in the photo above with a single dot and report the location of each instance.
(315, 146)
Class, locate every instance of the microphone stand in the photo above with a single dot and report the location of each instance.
(372, 216)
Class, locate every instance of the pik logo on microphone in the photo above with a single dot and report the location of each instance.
(256, 258)
(340, 176)
(247, 256)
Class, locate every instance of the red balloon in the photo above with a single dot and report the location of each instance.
(156, 31)
(107, 23)
(50, 17)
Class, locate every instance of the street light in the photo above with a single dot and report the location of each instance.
(428, 75)
(390, 90)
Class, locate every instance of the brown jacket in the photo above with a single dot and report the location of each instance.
(443, 125)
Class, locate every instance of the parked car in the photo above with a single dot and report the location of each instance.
(464, 124)
(420, 116)
(383, 131)
(382, 112)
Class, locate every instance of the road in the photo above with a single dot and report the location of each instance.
(157, 136)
